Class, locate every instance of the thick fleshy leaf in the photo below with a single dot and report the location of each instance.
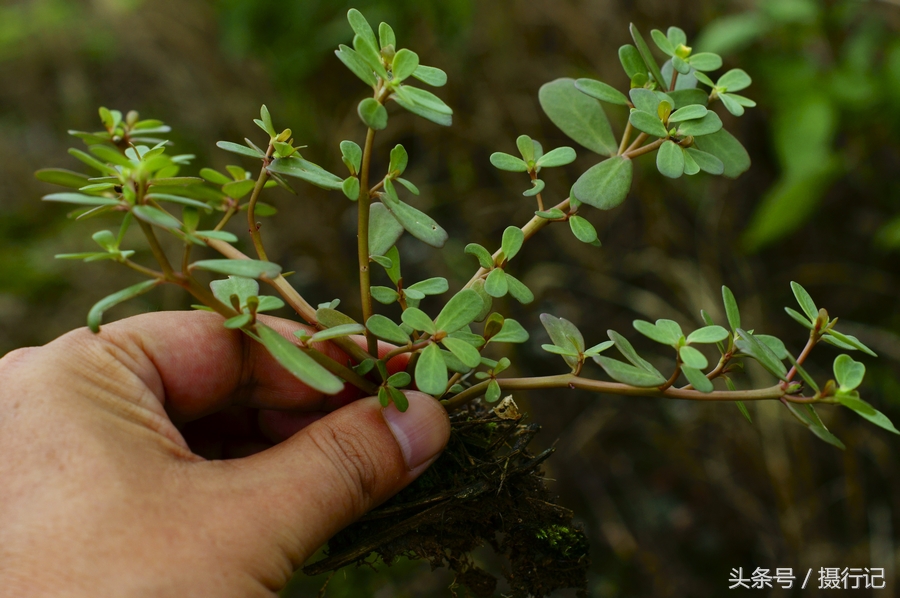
(707, 125)
(459, 311)
(852, 401)
(518, 290)
(399, 160)
(243, 287)
(690, 166)
(417, 319)
(404, 64)
(357, 65)
(605, 185)
(424, 103)
(513, 237)
(373, 114)
(631, 61)
(688, 97)
(384, 295)
(245, 268)
(688, 113)
(351, 154)
(706, 162)
(692, 358)
(386, 329)
(662, 42)
(483, 255)
(431, 371)
(775, 344)
(537, 185)
(95, 316)
(807, 414)
(666, 332)
(508, 162)
(430, 286)
(705, 61)
(243, 150)
(578, 116)
(630, 354)
(338, 332)
(330, 317)
(647, 56)
(709, 334)
(564, 335)
(307, 171)
(62, 177)
(849, 341)
(805, 300)
(734, 80)
(727, 149)
(81, 199)
(601, 91)
(184, 201)
(302, 366)
(495, 284)
(670, 160)
(697, 379)
(466, 353)
(238, 321)
(647, 123)
(384, 230)
(731, 104)
(583, 230)
(350, 187)
(430, 75)
(156, 217)
(510, 332)
(756, 349)
(557, 157)
(645, 100)
(370, 53)
(848, 372)
(416, 222)
(629, 374)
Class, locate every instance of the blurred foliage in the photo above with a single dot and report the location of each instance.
(672, 495)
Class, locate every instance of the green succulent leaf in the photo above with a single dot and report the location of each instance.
(243, 268)
(706, 162)
(518, 290)
(95, 315)
(605, 185)
(557, 157)
(508, 162)
(759, 351)
(431, 286)
(688, 97)
(583, 230)
(631, 61)
(710, 123)
(302, 366)
(372, 114)
(241, 286)
(670, 160)
(351, 154)
(848, 372)
(848, 341)
(852, 401)
(807, 414)
(805, 300)
(431, 371)
(386, 329)
(399, 160)
(483, 255)
(566, 336)
(423, 103)
(459, 311)
(418, 320)
(649, 62)
(708, 334)
(305, 170)
(581, 118)
(384, 229)
(81, 199)
(243, 150)
(629, 374)
(404, 64)
(734, 80)
(357, 64)
(513, 238)
(631, 355)
(510, 332)
(537, 185)
(430, 75)
(727, 149)
(662, 42)
(384, 295)
(689, 112)
(692, 358)
(648, 123)
(666, 332)
(466, 353)
(601, 91)
(697, 379)
(62, 177)
(416, 222)
(495, 284)
(705, 61)
(493, 392)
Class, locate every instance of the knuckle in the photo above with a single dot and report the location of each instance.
(353, 459)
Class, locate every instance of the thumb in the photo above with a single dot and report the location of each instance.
(314, 484)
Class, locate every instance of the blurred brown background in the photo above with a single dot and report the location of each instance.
(673, 495)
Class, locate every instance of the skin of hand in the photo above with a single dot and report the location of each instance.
(100, 494)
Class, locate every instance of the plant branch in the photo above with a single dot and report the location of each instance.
(645, 149)
(406, 349)
(616, 388)
(362, 239)
(157, 249)
(251, 207)
(294, 299)
(530, 228)
(143, 269)
(813, 339)
(637, 142)
(626, 136)
(674, 377)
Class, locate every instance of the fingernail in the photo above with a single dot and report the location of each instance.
(421, 431)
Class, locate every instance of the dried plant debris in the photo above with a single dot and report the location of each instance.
(486, 489)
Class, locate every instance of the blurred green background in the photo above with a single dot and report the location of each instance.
(673, 495)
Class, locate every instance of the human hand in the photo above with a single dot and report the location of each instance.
(101, 494)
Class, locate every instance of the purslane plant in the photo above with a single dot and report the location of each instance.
(670, 112)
